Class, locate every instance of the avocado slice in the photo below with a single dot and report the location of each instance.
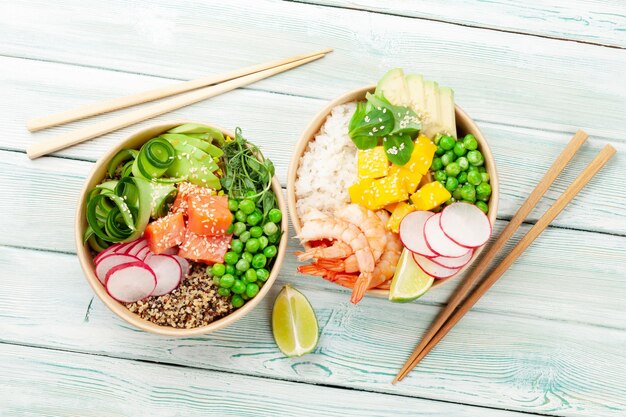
(393, 87)
(446, 106)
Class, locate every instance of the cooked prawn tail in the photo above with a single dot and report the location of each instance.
(305, 256)
(360, 287)
(345, 280)
(336, 265)
(311, 269)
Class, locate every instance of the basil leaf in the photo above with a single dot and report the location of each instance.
(366, 129)
(398, 148)
(405, 119)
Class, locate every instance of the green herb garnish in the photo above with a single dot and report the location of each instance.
(247, 174)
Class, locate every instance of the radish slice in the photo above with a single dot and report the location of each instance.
(433, 269)
(412, 233)
(137, 248)
(129, 247)
(143, 254)
(130, 282)
(104, 264)
(184, 264)
(108, 251)
(438, 242)
(465, 224)
(168, 273)
(122, 247)
(453, 262)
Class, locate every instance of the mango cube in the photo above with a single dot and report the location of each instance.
(431, 195)
(372, 163)
(411, 178)
(387, 190)
(422, 155)
(361, 193)
(401, 210)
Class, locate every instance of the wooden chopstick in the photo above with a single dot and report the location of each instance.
(579, 183)
(56, 143)
(553, 172)
(39, 123)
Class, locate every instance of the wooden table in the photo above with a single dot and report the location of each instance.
(549, 339)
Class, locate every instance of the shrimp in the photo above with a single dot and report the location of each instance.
(337, 250)
(339, 230)
(369, 223)
(384, 269)
(348, 265)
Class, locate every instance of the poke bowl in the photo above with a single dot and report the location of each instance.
(170, 235)
(319, 186)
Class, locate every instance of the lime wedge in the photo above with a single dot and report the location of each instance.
(294, 323)
(409, 281)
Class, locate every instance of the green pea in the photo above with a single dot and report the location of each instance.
(218, 270)
(224, 292)
(262, 274)
(436, 165)
(242, 265)
(254, 218)
(437, 138)
(230, 269)
(231, 258)
(258, 261)
(453, 169)
(484, 176)
(462, 177)
(483, 206)
(468, 192)
(274, 238)
(238, 286)
(270, 251)
(227, 281)
(252, 245)
(275, 215)
(474, 178)
(475, 158)
(482, 169)
(244, 236)
(256, 231)
(447, 142)
(451, 184)
(252, 289)
(470, 142)
(463, 163)
(448, 158)
(482, 197)
(230, 229)
(270, 228)
(440, 151)
(251, 275)
(450, 201)
(459, 149)
(263, 242)
(239, 228)
(441, 176)
(240, 216)
(216, 280)
(473, 168)
(456, 194)
(247, 206)
(236, 246)
(247, 256)
(245, 296)
(483, 189)
(233, 205)
(237, 301)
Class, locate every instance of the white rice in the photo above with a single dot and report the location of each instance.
(328, 166)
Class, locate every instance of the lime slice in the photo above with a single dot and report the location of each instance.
(409, 281)
(294, 323)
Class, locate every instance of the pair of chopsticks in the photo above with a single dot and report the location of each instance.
(456, 308)
(205, 87)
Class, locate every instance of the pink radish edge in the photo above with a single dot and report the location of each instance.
(130, 282)
(168, 273)
(450, 233)
(409, 231)
(446, 246)
(104, 264)
(431, 268)
(450, 262)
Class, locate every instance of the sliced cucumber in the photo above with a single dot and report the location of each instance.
(394, 88)
(446, 106)
(415, 84)
(431, 118)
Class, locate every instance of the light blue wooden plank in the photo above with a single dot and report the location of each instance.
(597, 21)
(495, 357)
(274, 121)
(39, 382)
(498, 77)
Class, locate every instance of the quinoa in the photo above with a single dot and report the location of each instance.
(194, 303)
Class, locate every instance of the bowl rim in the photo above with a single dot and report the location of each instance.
(86, 261)
(318, 120)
